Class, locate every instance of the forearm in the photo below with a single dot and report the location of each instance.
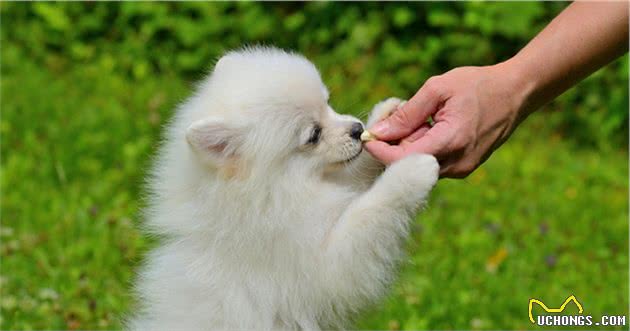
(583, 38)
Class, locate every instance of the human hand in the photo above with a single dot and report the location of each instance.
(474, 110)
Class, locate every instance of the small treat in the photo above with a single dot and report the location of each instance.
(367, 136)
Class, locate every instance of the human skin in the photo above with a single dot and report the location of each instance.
(476, 109)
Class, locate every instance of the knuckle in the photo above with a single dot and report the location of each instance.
(462, 139)
(433, 86)
(459, 172)
(458, 143)
(401, 119)
(433, 80)
(464, 169)
(468, 168)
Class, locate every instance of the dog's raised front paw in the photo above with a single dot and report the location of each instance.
(383, 109)
(415, 171)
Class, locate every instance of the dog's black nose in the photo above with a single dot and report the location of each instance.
(356, 130)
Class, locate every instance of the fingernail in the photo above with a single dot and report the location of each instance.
(380, 128)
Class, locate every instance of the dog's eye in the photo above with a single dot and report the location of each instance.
(315, 134)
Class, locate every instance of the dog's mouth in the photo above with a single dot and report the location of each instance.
(353, 157)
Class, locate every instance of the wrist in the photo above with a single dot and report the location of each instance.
(521, 86)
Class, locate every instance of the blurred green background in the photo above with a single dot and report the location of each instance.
(86, 87)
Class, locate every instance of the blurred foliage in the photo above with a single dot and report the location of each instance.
(411, 41)
(86, 88)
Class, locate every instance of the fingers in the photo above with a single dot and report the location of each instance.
(385, 152)
(437, 141)
(433, 140)
(419, 133)
(411, 115)
(446, 169)
(452, 169)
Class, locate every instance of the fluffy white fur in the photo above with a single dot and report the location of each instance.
(263, 229)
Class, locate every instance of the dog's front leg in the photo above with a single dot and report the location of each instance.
(362, 248)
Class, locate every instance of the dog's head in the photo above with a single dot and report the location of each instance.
(265, 108)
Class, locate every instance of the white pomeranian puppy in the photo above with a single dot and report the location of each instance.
(271, 215)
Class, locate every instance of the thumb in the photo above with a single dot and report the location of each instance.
(410, 116)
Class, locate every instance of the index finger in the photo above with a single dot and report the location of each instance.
(411, 115)
(435, 142)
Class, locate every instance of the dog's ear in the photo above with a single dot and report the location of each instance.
(215, 140)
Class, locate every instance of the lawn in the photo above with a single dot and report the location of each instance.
(546, 217)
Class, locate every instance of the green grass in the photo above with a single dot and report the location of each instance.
(76, 144)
